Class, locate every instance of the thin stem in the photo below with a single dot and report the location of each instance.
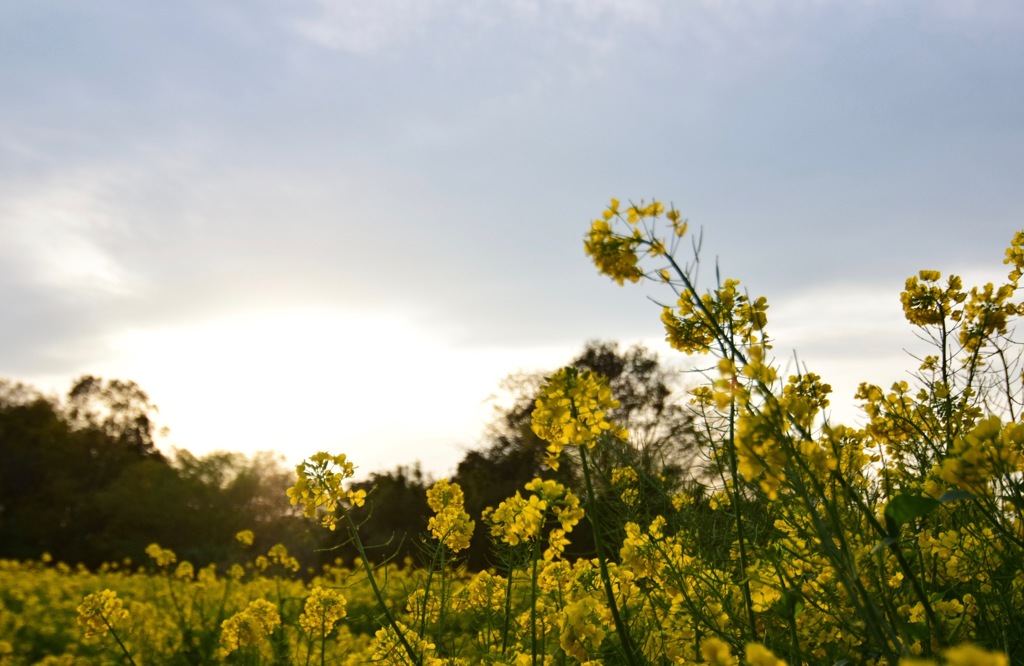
(508, 609)
(748, 603)
(533, 606)
(628, 648)
(353, 530)
(118, 639)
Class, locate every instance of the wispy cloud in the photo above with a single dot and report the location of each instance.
(365, 28)
(59, 235)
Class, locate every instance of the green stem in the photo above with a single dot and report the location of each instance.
(323, 640)
(533, 607)
(508, 610)
(628, 648)
(354, 532)
(118, 639)
(737, 514)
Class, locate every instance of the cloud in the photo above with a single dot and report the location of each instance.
(364, 28)
(59, 235)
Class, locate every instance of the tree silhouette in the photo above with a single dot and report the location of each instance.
(84, 481)
(662, 445)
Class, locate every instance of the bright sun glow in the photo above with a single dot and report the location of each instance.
(298, 381)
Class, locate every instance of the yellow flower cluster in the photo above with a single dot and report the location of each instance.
(962, 655)
(184, 571)
(388, 651)
(318, 487)
(572, 409)
(990, 450)
(278, 554)
(624, 479)
(518, 520)
(250, 627)
(583, 627)
(451, 524)
(616, 254)
(758, 655)
(926, 303)
(162, 557)
(1015, 257)
(324, 608)
(987, 312)
(100, 612)
(613, 254)
(700, 325)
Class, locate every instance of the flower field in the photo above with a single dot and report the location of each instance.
(793, 540)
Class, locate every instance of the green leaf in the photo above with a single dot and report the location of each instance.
(903, 508)
(951, 496)
(789, 605)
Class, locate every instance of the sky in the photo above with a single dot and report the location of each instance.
(308, 225)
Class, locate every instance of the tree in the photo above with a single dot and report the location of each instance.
(118, 409)
(84, 481)
(39, 485)
(662, 447)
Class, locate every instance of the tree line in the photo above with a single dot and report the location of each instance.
(82, 479)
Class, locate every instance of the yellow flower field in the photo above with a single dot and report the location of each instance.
(796, 541)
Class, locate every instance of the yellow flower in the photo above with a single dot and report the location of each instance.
(387, 649)
(324, 608)
(163, 557)
(278, 554)
(970, 655)
(582, 628)
(572, 409)
(613, 254)
(100, 612)
(245, 537)
(250, 627)
(716, 652)
(451, 524)
(318, 487)
(759, 655)
(522, 520)
(1015, 257)
(989, 450)
(926, 303)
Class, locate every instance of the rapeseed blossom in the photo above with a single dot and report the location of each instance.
(573, 409)
(250, 627)
(162, 557)
(523, 520)
(583, 627)
(758, 655)
(100, 612)
(990, 450)
(451, 524)
(318, 487)
(926, 303)
(323, 609)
